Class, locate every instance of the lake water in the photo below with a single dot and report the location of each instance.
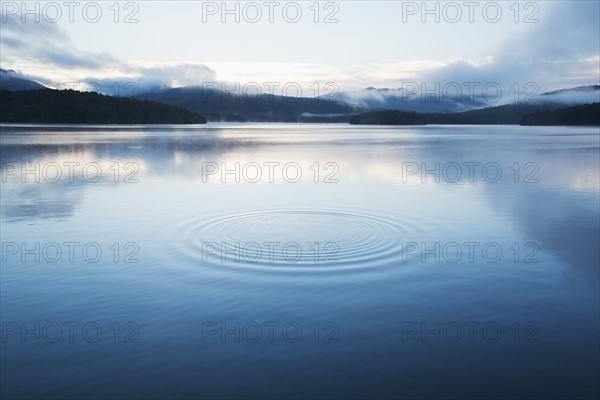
(301, 261)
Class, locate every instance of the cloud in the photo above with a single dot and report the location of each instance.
(561, 49)
(48, 44)
(47, 54)
(144, 78)
(584, 95)
(569, 32)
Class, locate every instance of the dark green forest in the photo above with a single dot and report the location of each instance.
(68, 106)
(587, 114)
(73, 107)
(389, 117)
(511, 114)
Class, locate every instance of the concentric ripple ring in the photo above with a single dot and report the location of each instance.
(296, 240)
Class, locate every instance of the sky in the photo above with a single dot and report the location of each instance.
(319, 47)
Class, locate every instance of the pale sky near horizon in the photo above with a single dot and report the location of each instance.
(379, 43)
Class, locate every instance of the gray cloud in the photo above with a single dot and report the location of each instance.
(46, 43)
(550, 51)
(570, 31)
(152, 78)
(551, 54)
(581, 96)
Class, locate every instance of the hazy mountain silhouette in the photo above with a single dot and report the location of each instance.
(574, 96)
(369, 106)
(13, 81)
(400, 99)
(227, 106)
(546, 106)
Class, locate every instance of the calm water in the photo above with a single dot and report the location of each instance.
(348, 262)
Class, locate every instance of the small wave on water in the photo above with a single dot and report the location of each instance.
(295, 240)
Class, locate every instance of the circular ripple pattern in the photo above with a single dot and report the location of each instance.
(298, 240)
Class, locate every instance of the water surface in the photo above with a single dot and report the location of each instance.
(330, 261)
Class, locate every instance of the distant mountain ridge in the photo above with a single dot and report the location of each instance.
(401, 99)
(13, 81)
(341, 107)
(573, 96)
(436, 102)
(226, 106)
(586, 88)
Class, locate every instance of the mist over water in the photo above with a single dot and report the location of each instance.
(266, 260)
